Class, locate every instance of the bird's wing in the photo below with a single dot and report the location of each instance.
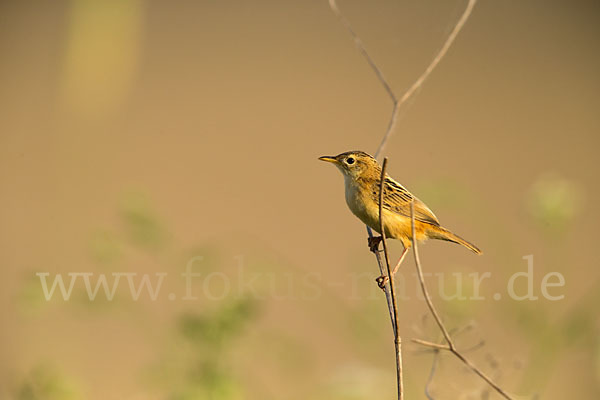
(397, 199)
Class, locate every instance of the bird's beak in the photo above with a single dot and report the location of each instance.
(328, 159)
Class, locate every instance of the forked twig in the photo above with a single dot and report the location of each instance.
(397, 338)
(419, 82)
(397, 104)
(450, 343)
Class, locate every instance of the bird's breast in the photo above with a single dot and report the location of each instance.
(362, 205)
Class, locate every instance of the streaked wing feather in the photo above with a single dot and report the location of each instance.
(397, 198)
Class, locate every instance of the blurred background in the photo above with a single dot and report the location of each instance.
(145, 136)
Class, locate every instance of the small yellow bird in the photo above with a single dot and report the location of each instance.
(362, 175)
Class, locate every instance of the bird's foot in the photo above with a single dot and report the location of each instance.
(382, 281)
(373, 242)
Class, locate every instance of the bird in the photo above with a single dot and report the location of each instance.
(362, 177)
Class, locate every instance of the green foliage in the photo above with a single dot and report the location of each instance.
(30, 298)
(444, 192)
(46, 383)
(142, 226)
(579, 325)
(553, 203)
(199, 364)
(218, 326)
(105, 247)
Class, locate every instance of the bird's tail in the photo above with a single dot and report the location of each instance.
(444, 234)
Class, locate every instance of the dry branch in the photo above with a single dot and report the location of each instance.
(450, 343)
(397, 338)
(389, 287)
(397, 104)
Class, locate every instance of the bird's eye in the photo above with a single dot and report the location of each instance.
(350, 160)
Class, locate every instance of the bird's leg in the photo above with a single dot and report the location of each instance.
(373, 242)
(382, 280)
(400, 260)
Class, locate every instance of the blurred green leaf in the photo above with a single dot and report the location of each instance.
(105, 247)
(47, 383)
(443, 192)
(553, 203)
(219, 325)
(579, 326)
(31, 297)
(143, 227)
(531, 321)
(202, 371)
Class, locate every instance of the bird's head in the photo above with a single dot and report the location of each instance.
(355, 164)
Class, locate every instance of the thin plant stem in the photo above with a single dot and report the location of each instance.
(389, 288)
(450, 347)
(397, 338)
(419, 82)
(399, 103)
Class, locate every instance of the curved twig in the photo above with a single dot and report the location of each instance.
(450, 347)
(434, 364)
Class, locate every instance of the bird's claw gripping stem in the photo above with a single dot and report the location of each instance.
(382, 281)
(373, 242)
